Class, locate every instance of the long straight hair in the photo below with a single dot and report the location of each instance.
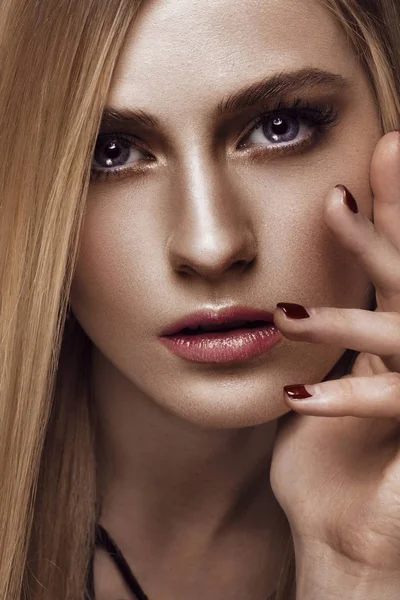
(56, 64)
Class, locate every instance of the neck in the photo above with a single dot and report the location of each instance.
(162, 476)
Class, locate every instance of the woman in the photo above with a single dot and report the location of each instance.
(167, 160)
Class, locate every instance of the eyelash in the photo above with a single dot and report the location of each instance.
(320, 116)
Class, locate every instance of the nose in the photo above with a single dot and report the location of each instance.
(212, 233)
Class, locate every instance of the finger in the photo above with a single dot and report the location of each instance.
(385, 182)
(375, 252)
(375, 396)
(353, 328)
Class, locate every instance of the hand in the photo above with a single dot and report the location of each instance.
(336, 464)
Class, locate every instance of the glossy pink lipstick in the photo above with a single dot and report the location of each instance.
(231, 335)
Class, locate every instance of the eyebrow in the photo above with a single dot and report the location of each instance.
(245, 98)
(278, 85)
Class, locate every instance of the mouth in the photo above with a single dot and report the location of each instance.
(233, 335)
(213, 328)
(214, 320)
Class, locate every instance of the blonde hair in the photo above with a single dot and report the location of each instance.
(57, 60)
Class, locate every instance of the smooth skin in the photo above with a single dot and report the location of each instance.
(187, 448)
(349, 457)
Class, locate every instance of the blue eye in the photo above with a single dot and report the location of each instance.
(113, 151)
(287, 128)
(290, 126)
(281, 128)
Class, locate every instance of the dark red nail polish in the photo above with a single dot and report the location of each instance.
(297, 392)
(293, 311)
(348, 198)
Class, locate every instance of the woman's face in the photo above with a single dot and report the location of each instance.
(213, 210)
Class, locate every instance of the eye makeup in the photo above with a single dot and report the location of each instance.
(310, 118)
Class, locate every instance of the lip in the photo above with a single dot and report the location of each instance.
(223, 347)
(218, 317)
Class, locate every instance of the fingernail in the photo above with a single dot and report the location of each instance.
(297, 392)
(348, 198)
(293, 311)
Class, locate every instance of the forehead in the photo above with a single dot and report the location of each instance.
(178, 50)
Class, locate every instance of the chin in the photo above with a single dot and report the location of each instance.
(244, 395)
(231, 406)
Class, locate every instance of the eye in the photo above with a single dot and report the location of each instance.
(115, 150)
(290, 127)
(279, 129)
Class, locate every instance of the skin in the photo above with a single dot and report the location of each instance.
(187, 447)
(343, 443)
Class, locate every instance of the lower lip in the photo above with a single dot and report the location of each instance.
(224, 346)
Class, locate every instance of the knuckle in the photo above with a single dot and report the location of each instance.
(393, 381)
(332, 317)
(374, 237)
(395, 321)
(347, 388)
(337, 314)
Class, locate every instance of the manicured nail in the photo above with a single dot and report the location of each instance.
(348, 198)
(293, 311)
(297, 392)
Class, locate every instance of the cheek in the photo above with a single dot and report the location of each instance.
(302, 259)
(115, 272)
(123, 277)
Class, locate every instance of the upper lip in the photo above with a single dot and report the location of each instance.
(219, 317)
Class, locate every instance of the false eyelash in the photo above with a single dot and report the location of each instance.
(104, 174)
(320, 115)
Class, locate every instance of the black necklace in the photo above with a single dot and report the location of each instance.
(105, 541)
